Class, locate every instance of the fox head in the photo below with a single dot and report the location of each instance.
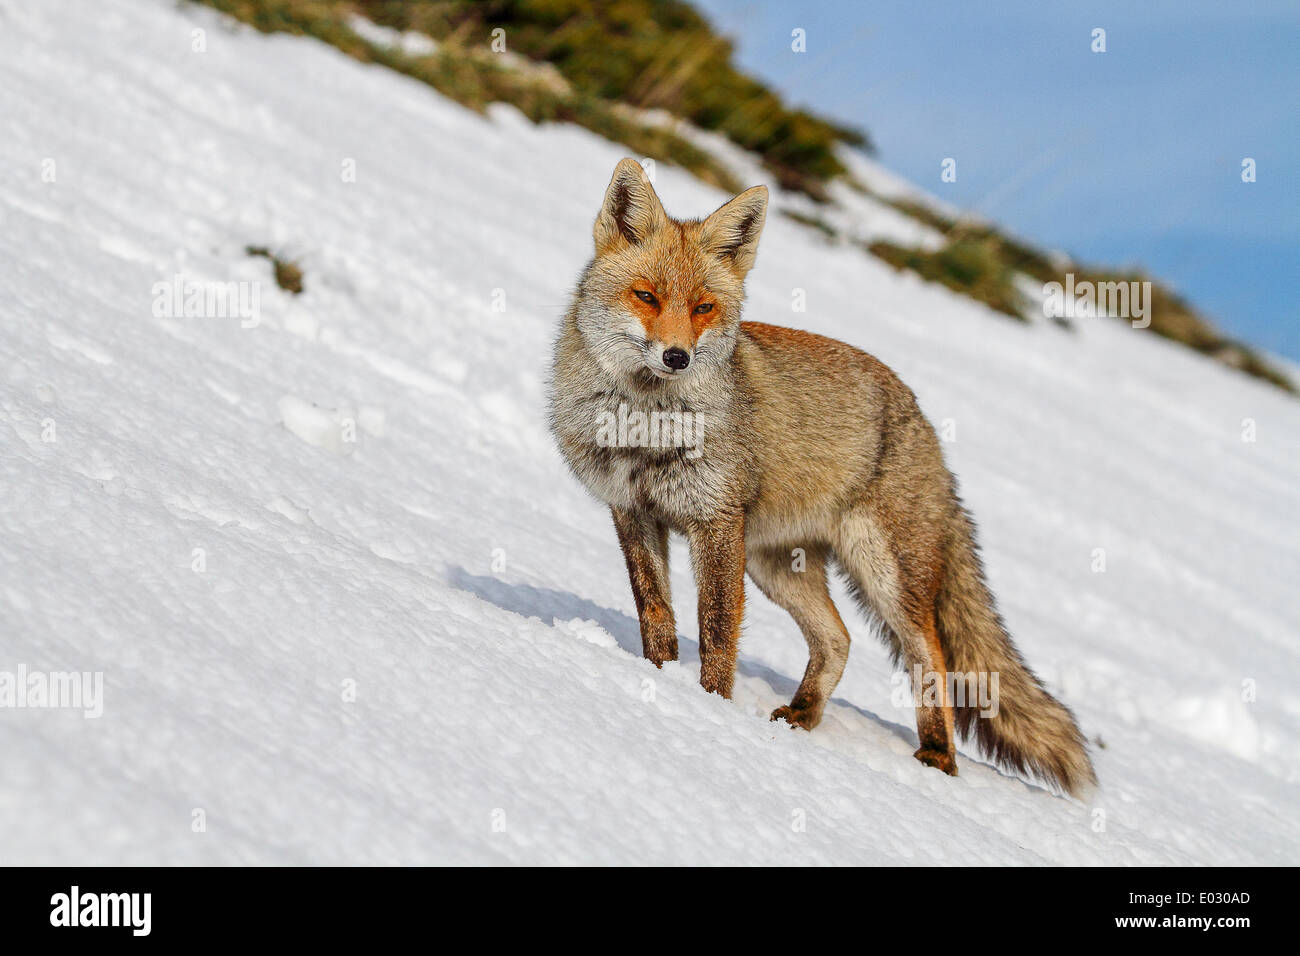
(662, 298)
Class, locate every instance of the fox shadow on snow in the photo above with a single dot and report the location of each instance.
(549, 604)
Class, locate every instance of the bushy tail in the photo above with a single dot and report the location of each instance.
(1032, 730)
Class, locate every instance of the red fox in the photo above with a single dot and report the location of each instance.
(781, 454)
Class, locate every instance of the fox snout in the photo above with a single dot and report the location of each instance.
(670, 333)
(673, 343)
(676, 359)
(667, 360)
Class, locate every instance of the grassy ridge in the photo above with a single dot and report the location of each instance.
(644, 54)
(972, 267)
(981, 262)
(475, 77)
(649, 54)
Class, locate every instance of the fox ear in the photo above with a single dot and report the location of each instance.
(732, 231)
(631, 211)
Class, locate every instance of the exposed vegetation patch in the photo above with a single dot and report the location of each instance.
(650, 54)
(980, 261)
(812, 222)
(463, 66)
(969, 266)
(288, 275)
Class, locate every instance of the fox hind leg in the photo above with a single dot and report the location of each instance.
(934, 721)
(903, 594)
(804, 595)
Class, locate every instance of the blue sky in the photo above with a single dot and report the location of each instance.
(1132, 156)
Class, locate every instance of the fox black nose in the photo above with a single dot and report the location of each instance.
(676, 358)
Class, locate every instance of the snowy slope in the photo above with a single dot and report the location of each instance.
(420, 646)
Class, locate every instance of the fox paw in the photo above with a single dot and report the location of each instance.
(938, 759)
(798, 716)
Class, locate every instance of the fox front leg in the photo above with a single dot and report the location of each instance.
(645, 547)
(718, 558)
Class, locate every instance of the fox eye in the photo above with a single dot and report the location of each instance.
(646, 297)
(704, 308)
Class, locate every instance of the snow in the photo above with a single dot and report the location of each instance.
(331, 429)
(424, 649)
(410, 42)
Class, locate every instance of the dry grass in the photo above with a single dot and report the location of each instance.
(288, 275)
